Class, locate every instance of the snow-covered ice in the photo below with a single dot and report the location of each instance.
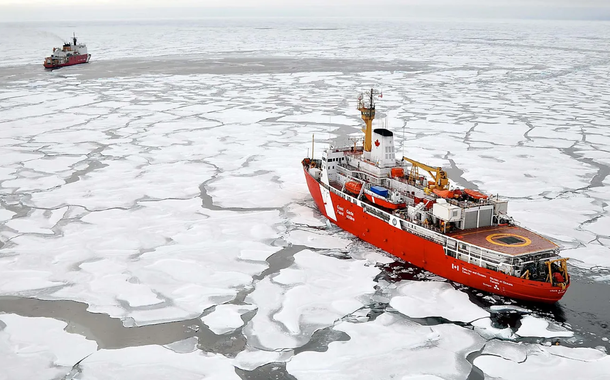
(312, 294)
(159, 190)
(435, 299)
(390, 347)
(156, 362)
(39, 348)
(560, 363)
(226, 318)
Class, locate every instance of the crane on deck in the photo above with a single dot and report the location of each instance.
(440, 176)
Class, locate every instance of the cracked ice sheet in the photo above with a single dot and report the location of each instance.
(560, 218)
(163, 261)
(267, 180)
(310, 295)
(5, 215)
(39, 348)
(129, 183)
(317, 239)
(302, 215)
(589, 256)
(421, 299)
(391, 347)
(514, 175)
(555, 362)
(156, 362)
(38, 221)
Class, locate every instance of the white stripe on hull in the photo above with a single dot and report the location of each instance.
(328, 203)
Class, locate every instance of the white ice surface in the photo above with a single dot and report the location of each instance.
(312, 294)
(226, 318)
(484, 328)
(421, 299)
(156, 362)
(390, 347)
(39, 348)
(5, 215)
(124, 256)
(537, 327)
(303, 215)
(558, 363)
(317, 239)
(592, 255)
(251, 358)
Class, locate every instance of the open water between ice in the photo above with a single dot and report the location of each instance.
(155, 223)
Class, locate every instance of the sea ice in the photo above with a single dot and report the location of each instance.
(559, 363)
(314, 293)
(591, 255)
(226, 318)
(39, 348)
(156, 362)
(421, 299)
(390, 347)
(317, 239)
(537, 327)
(251, 358)
(485, 328)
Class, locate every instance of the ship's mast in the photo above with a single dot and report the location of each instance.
(366, 106)
(74, 38)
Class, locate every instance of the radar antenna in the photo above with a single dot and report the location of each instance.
(366, 106)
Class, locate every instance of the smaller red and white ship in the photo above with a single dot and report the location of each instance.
(72, 53)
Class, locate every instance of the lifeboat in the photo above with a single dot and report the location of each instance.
(397, 172)
(353, 187)
(475, 194)
(443, 193)
(379, 196)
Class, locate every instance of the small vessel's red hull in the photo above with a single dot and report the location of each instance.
(72, 60)
(425, 253)
(383, 203)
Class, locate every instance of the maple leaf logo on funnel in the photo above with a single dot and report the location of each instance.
(376, 142)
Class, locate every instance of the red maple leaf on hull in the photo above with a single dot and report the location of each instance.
(376, 142)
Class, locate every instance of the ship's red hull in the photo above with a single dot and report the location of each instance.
(72, 60)
(427, 254)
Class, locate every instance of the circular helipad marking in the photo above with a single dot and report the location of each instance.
(495, 239)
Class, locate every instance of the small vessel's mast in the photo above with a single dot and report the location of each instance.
(366, 106)
(312, 139)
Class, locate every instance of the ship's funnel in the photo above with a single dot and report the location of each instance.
(382, 150)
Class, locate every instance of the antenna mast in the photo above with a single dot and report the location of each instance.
(366, 106)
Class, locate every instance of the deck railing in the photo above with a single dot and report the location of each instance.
(467, 252)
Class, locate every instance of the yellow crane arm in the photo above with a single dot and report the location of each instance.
(439, 175)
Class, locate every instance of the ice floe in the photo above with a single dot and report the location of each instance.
(226, 318)
(532, 326)
(435, 299)
(39, 348)
(312, 294)
(508, 361)
(391, 347)
(148, 362)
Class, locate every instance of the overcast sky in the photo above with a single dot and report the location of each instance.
(38, 10)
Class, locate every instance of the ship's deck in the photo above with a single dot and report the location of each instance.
(511, 240)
